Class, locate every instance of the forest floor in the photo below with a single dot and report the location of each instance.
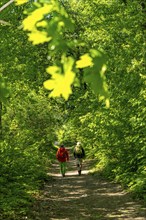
(84, 197)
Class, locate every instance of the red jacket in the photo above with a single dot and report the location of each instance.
(62, 154)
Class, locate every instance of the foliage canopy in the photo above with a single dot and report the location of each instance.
(72, 46)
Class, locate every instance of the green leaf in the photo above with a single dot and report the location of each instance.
(61, 82)
(95, 75)
(37, 15)
(97, 80)
(38, 37)
(85, 61)
(20, 2)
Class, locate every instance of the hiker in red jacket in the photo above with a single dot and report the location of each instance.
(62, 156)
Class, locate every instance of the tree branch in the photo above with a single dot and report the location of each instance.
(4, 22)
(6, 5)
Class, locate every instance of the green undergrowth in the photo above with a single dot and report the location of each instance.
(133, 182)
(23, 174)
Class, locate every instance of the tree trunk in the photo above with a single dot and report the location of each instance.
(0, 120)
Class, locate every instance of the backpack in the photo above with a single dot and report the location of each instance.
(61, 154)
(78, 150)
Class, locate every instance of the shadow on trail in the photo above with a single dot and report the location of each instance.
(86, 197)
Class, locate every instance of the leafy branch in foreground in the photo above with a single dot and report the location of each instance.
(48, 22)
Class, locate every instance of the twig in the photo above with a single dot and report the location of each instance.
(6, 5)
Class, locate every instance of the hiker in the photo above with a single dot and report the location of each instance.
(62, 156)
(79, 154)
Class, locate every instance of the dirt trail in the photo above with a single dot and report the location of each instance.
(84, 197)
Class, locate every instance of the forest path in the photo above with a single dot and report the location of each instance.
(84, 197)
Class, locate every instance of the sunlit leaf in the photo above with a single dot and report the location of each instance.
(85, 61)
(60, 83)
(30, 22)
(38, 37)
(20, 2)
(41, 24)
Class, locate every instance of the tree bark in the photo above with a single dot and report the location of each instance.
(0, 120)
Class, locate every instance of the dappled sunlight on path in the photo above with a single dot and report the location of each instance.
(85, 197)
(69, 174)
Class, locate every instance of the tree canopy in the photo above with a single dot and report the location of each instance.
(71, 70)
